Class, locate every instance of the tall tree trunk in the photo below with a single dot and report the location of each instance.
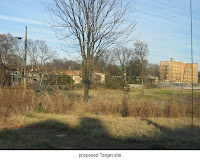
(1, 75)
(86, 78)
(32, 74)
(1, 71)
(125, 77)
(142, 72)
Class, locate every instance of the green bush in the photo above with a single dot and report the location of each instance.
(130, 81)
(114, 83)
(64, 80)
(79, 85)
(137, 81)
(151, 85)
(47, 82)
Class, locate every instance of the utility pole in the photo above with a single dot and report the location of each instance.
(25, 53)
(192, 125)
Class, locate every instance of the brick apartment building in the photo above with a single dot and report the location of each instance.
(178, 72)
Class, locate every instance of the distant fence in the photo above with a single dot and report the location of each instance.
(136, 86)
(178, 85)
(166, 85)
(131, 86)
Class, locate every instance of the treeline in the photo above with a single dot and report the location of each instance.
(12, 51)
(121, 65)
(111, 65)
(124, 66)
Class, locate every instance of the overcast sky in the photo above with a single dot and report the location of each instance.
(163, 24)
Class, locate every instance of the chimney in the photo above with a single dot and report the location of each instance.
(171, 59)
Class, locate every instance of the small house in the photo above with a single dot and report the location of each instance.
(99, 77)
(75, 74)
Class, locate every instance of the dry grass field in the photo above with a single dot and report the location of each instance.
(111, 119)
(50, 131)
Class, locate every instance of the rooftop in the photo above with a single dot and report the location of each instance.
(66, 72)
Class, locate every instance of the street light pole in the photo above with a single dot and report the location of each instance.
(25, 53)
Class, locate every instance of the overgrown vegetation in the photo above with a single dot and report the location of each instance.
(114, 119)
(13, 102)
(115, 83)
(65, 80)
(149, 103)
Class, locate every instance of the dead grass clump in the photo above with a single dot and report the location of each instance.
(93, 107)
(141, 108)
(152, 108)
(12, 101)
(101, 103)
(124, 105)
(58, 102)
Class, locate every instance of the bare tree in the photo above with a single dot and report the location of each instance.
(6, 48)
(40, 54)
(45, 54)
(19, 52)
(154, 69)
(141, 50)
(33, 52)
(123, 56)
(92, 26)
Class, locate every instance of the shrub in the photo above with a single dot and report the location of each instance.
(64, 80)
(12, 101)
(130, 81)
(114, 83)
(70, 102)
(97, 86)
(79, 86)
(151, 85)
